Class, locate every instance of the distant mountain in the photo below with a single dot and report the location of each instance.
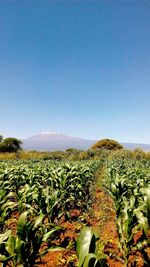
(48, 141)
(132, 146)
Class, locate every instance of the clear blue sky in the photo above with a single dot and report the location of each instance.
(77, 67)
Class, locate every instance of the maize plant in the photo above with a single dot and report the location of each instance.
(6, 207)
(23, 249)
(86, 246)
(129, 184)
(47, 187)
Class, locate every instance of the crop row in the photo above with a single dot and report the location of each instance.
(129, 185)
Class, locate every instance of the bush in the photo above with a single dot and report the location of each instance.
(107, 144)
(10, 144)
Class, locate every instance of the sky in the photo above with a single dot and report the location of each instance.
(80, 67)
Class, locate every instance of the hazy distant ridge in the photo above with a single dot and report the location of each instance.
(48, 141)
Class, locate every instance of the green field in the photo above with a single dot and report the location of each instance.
(38, 197)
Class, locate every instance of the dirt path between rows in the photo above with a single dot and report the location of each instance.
(103, 221)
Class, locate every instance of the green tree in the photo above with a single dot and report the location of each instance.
(1, 138)
(107, 144)
(10, 144)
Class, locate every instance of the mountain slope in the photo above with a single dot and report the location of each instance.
(48, 141)
(55, 141)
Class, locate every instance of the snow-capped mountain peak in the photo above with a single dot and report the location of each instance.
(50, 133)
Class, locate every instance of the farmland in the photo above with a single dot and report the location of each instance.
(129, 185)
(49, 207)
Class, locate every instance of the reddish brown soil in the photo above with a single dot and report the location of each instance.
(12, 222)
(66, 238)
(103, 220)
(59, 259)
(51, 259)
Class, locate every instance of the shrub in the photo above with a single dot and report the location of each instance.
(107, 144)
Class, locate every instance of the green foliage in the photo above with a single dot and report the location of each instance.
(107, 144)
(1, 138)
(42, 192)
(75, 155)
(71, 150)
(129, 185)
(86, 245)
(10, 144)
(49, 187)
(24, 248)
